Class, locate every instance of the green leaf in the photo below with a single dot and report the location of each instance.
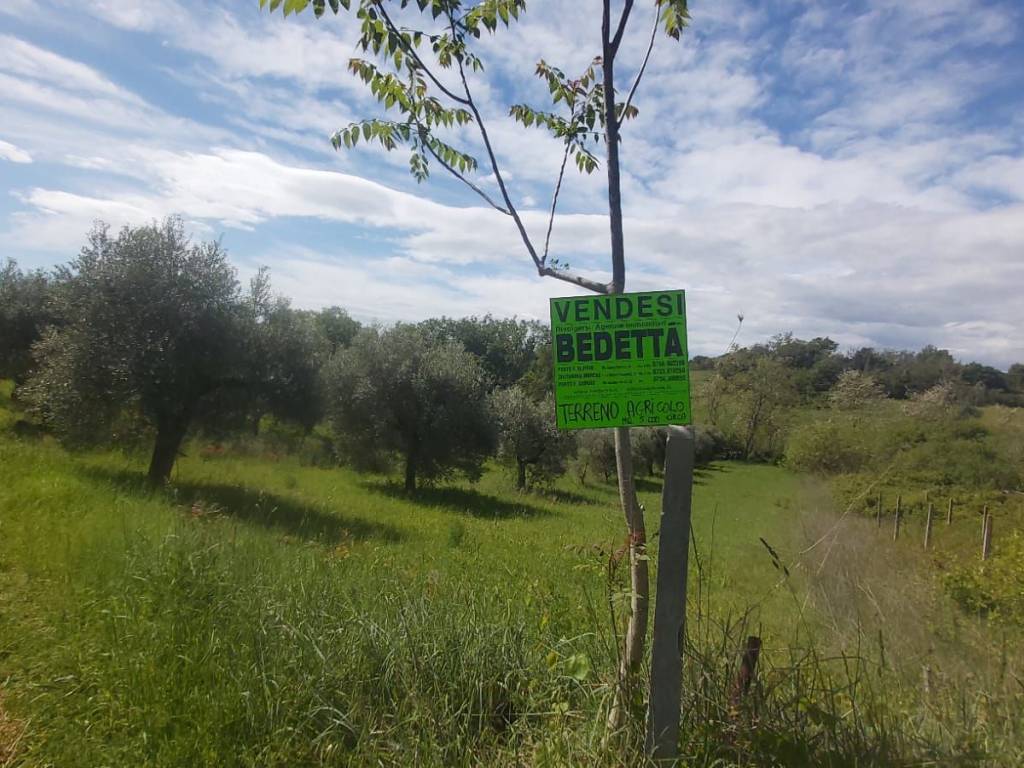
(577, 667)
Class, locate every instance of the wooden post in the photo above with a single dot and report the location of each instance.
(896, 524)
(928, 526)
(670, 605)
(878, 511)
(949, 511)
(986, 538)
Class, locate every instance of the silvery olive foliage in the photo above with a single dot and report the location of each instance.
(529, 438)
(401, 392)
(152, 327)
(24, 314)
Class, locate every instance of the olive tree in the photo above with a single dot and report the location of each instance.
(151, 324)
(649, 449)
(762, 392)
(596, 452)
(287, 350)
(529, 437)
(424, 68)
(401, 391)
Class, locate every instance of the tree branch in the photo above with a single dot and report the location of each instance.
(466, 181)
(643, 67)
(622, 26)
(554, 204)
(411, 51)
(542, 269)
(569, 277)
(523, 234)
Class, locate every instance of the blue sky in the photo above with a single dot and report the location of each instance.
(852, 169)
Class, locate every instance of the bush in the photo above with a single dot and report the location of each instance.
(826, 447)
(994, 588)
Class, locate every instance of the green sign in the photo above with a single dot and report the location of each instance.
(621, 361)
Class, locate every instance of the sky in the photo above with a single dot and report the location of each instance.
(852, 169)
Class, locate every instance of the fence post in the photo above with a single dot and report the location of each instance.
(949, 511)
(928, 526)
(670, 604)
(896, 524)
(878, 511)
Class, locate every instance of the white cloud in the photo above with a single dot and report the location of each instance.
(25, 60)
(998, 173)
(819, 177)
(851, 269)
(14, 154)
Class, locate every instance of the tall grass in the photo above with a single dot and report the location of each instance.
(263, 613)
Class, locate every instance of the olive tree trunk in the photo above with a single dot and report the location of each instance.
(521, 475)
(410, 472)
(169, 434)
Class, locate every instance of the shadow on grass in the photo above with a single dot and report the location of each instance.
(257, 507)
(648, 484)
(706, 472)
(560, 496)
(463, 500)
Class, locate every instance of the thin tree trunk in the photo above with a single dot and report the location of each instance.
(169, 434)
(612, 141)
(521, 476)
(410, 471)
(636, 631)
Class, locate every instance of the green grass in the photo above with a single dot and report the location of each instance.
(266, 613)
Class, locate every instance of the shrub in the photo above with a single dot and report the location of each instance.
(826, 447)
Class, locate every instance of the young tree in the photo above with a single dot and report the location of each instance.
(150, 322)
(401, 391)
(762, 390)
(530, 438)
(855, 390)
(24, 313)
(424, 72)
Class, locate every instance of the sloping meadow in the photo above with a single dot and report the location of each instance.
(259, 612)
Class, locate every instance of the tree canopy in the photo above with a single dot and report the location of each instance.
(25, 311)
(154, 324)
(505, 347)
(529, 437)
(403, 392)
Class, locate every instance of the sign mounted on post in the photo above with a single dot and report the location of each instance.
(621, 360)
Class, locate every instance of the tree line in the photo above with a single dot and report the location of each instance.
(815, 366)
(748, 396)
(149, 332)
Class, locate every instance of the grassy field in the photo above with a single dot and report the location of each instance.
(265, 613)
